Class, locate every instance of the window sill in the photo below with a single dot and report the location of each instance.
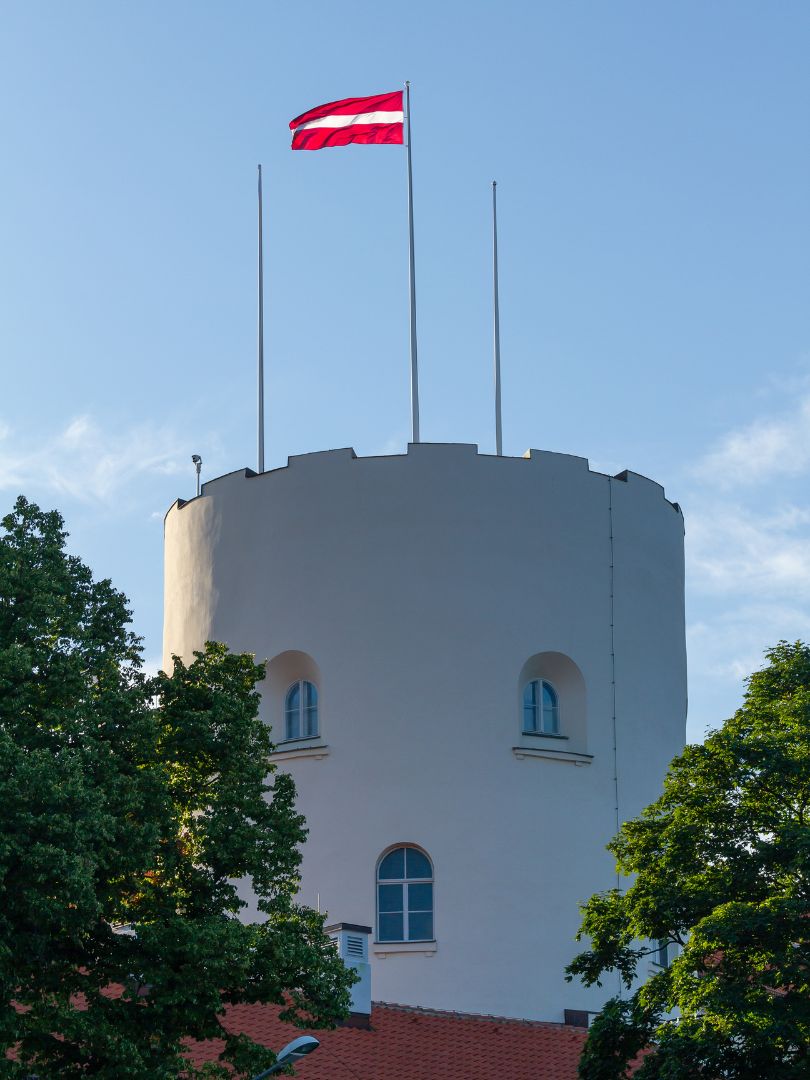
(569, 757)
(394, 948)
(287, 751)
(543, 735)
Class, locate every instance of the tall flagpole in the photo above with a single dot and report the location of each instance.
(261, 335)
(496, 321)
(412, 281)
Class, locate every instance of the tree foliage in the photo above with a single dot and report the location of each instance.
(720, 866)
(129, 808)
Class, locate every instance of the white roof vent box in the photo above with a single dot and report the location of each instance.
(351, 940)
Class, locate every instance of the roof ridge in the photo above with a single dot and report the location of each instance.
(487, 1017)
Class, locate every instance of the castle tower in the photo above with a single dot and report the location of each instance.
(475, 664)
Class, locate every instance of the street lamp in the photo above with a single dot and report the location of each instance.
(291, 1053)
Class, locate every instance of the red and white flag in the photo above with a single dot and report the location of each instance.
(376, 119)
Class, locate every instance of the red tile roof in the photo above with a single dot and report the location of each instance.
(404, 1043)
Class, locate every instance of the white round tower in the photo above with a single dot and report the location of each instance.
(476, 666)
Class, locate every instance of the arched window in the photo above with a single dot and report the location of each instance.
(541, 708)
(301, 711)
(405, 896)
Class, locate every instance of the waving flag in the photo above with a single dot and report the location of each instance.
(381, 118)
(375, 119)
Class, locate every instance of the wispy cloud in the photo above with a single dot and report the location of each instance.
(87, 463)
(729, 644)
(743, 550)
(747, 550)
(770, 446)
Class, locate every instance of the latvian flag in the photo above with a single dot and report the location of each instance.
(377, 119)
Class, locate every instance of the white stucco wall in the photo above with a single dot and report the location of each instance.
(420, 586)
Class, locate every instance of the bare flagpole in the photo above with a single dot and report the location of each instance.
(496, 321)
(412, 280)
(261, 335)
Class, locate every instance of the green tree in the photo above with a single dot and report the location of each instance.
(720, 867)
(129, 807)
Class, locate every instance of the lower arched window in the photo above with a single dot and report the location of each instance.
(405, 896)
(301, 710)
(541, 708)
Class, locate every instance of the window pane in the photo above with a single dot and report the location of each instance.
(551, 710)
(294, 697)
(292, 712)
(393, 865)
(311, 692)
(551, 721)
(420, 897)
(530, 701)
(311, 721)
(418, 865)
(390, 928)
(420, 927)
(390, 897)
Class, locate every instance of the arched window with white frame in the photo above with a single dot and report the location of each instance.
(301, 710)
(541, 708)
(405, 896)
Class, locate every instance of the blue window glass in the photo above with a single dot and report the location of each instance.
(292, 712)
(390, 927)
(301, 711)
(393, 865)
(405, 896)
(551, 710)
(417, 865)
(530, 706)
(310, 709)
(391, 898)
(541, 708)
(420, 926)
(420, 897)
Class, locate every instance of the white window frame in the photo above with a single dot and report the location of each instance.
(301, 684)
(406, 882)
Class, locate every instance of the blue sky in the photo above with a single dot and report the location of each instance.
(653, 165)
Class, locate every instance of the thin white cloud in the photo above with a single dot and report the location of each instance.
(747, 550)
(743, 550)
(87, 463)
(728, 645)
(775, 446)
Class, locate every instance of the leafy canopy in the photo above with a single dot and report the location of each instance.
(721, 869)
(130, 809)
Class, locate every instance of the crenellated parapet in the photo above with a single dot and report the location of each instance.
(549, 461)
